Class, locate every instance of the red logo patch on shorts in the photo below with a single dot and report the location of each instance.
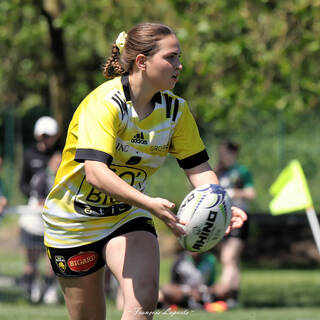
(83, 261)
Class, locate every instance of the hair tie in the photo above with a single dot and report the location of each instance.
(121, 41)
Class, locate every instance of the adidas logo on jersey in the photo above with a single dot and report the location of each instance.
(139, 138)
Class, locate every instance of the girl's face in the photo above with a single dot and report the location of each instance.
(163, 68)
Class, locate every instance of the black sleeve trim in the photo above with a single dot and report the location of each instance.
(91, 154)
(194, 160)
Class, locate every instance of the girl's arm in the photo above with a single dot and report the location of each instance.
(203, 174)
(101, 177)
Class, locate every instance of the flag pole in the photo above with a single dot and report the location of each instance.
(314, 224)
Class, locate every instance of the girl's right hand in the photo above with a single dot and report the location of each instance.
(161, 208)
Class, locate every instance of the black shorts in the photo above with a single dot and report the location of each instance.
(31, 241)
(84, 260)
(241, 233)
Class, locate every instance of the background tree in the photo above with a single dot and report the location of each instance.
(251, 69)
(58, 75)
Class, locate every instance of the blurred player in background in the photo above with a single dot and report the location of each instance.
(35, 182)
(192, 274)
(237, 180)
(35, 158)
(32, 231)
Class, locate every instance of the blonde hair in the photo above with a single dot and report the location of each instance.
(141, 39)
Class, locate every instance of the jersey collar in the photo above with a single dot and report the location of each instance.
(126, 89)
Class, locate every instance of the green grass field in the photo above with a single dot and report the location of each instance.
(26, 312)
(266, 294)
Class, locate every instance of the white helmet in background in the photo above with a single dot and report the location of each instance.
(46, 125)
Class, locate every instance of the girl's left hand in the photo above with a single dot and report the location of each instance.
(237, 219)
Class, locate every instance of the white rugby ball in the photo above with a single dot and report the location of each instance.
(206, 210)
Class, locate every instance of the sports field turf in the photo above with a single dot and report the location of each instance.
(266, 295)
(9, 311)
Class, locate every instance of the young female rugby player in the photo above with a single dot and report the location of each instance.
(97, 212)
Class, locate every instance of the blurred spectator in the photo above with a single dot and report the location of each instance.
(39, 168)
(3, 198)
(32, 236)
(237, 180)
(37, 157)
(192, 275)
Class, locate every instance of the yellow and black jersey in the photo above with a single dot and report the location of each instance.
(106, 128)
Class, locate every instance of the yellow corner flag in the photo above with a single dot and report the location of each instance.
(290, 190)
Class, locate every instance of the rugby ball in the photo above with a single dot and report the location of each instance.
(206, 210)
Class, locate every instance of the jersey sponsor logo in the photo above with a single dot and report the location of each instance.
(89, 199)
(94, 211)
(160, 149)
(139, 138)
(122, 147)
(60, 263)
(83, 261)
